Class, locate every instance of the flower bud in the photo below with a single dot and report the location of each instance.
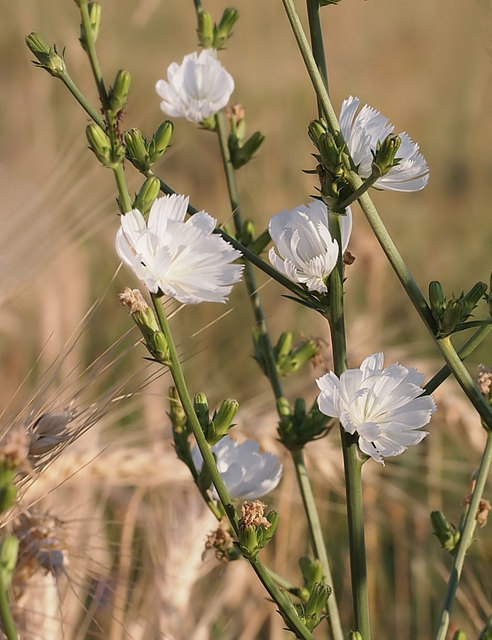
(147, 194)
(247, 232)
(200, 404)
(180, 429)
(223, 31)
(311, 569)
(118, 93)
(260, 243)
(248, 541)
(437, 299)
(354, 635)
(315, 605)
(222, 420)
(47, 57)
(446, 533)
(8, 560)
(160, 141)
(472, 298)
(316, 129)
(144, 318)
(205, 29)
(99, 144)
(242, 154)
(385, 155)
(136, 146)
(459, 635)
(176, 411)
(94, 10)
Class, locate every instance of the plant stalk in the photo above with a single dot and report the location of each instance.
(6, 617)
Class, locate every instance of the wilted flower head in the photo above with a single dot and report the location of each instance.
(246, 472)
(363, 131)
(197, 88)
(307, 251)
(384, 406)
(184, 260)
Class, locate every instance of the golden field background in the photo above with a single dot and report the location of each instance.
(135, 529)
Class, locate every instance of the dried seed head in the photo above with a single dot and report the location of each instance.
(42, 547)
(15, 448)
(133, 299)
(253, 514)
(484, 379)
(221, 541)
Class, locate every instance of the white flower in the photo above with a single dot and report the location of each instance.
(384, 406)
(246, 472)
(185, 260)
(364, 131)
(197, 88)
(307, 251)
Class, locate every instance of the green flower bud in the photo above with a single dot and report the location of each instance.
(248, 541)
(437, 299)
(283, 407)
(247, 232)
(136, 146)
(94, 10)
(47, 57)
(459, 635)
(160, 141)
(486, 633)
(176, 411)
(118, 93)
(205, 29)
(100, 144)
(267, 533)
(200, 404)
(223, 30)
(147, 194)
(354, 635)
(385, 156)
(283, 345)
(204, 480)
(180, 428)
(446, 533)
(222, 421)
(8, 560)
(311, 569)
(316, 129)
(315, 605)
(302, 354)
(472, 298)
(158, 346)
(240, 155)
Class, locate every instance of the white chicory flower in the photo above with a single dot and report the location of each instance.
(384, 406)
(246, 472)
(307, 251)
(363, 131)
(183, 259)
(197, 88)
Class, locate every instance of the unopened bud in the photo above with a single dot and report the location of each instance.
(205, 29)
(459, 635)
(247, 232)
(437, 299)
(259, 244)
(223, 30)
(200, 404)
(222, 421)
(94, 10)
(147, 194)
(176, 411)
(136, 146)
(118, 93)
(316, 129)
(315, 605)
(47, 57)
(8, 560)
(354, 635)
(99, 144)
(446, 533)
(385, 155)
(472, 298)
(311, 569)
(160, 141)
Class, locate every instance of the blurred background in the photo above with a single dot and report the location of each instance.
(425, 65)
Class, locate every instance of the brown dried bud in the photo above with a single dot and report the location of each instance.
(484, 380)
(133, 299)
(221, 541)
(253, 514)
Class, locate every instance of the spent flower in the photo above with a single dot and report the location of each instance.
(197, 88)
(308, 253)
(182, 259)
(385, 407)
(365, 132)
(246, 472)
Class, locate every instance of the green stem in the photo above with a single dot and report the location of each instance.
(465, 539)
(465, 380)
(284, 603)
(351, 459)
(467, 349)
(82, 100)
(317, 45)
(7, 620)
(317, 538)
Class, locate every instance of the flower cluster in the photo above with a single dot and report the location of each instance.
(307, 251)
(384, 406)
(183, 259)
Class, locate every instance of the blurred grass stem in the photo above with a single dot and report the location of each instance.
(7, 620)
(469, 525)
